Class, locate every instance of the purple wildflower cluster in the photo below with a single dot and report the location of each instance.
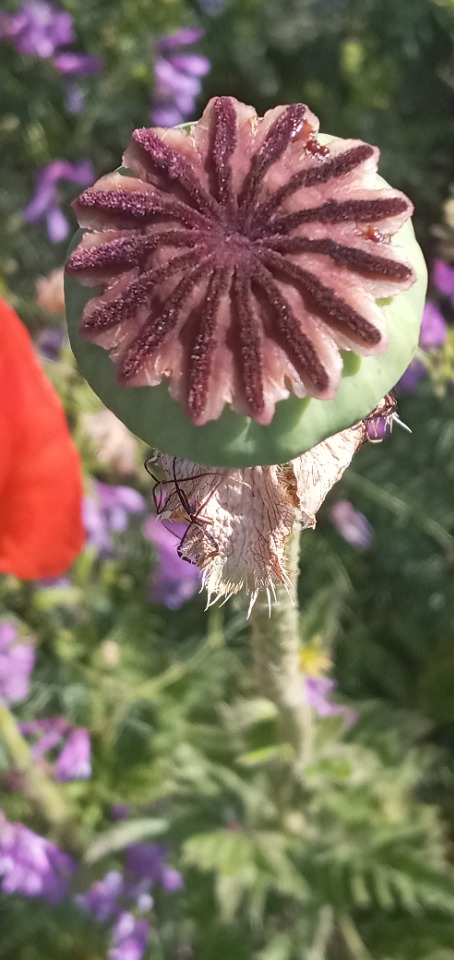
(40, 29)
(74, 759)
(129, 939)
(177, 78)
(174, 581)
(116, 895)
(108, 512)
(45, 203)
(16, 665)
(149, 862)
(434, 328)
(32, 866)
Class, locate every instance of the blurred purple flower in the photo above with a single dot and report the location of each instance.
(434, 328)
(96, 525)
(412, 376)
(16, 665)
(139, 893)
(109, 513)
(102, 898)
(177, 78)
(37, 28)
(352, 525)
(77, 64)
(45, 203)
(118, 503)
(432, 336)
(212, 7)
(75, 98)
(318, 691)
(106, 898)
(181, 38)
(30, 865)
(54, 583)
(171, 880)
(74, 761)
(129, 938)
(443, 278)
(148, 861)
(48, 733)
(174, 581)
(50, 342)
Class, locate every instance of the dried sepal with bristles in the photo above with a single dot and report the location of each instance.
(240, 520)
(239, 259)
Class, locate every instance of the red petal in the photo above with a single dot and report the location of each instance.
(41, 528)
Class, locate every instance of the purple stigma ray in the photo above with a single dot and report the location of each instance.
(361, 260)
(203, 282)
(158, 328)
(115, 206)
(300, 348)
(138, 293)
(280, 133)
(204, 343)
(316, 175)
(224, 143)
(250, 359)
(330, 306)
(127, 251)
(167, 160)
(354, 211)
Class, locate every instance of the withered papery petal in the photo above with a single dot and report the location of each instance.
(239, 521)
(239, 259)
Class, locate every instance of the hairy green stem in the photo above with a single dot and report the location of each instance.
(275, 639)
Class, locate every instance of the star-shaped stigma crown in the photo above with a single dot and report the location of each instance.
(239, 259)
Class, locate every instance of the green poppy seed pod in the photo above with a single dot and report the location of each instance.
(244, 287)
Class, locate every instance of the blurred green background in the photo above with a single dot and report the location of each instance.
(353, 859)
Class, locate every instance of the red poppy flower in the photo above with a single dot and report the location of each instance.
(41, 528)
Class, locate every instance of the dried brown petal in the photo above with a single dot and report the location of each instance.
(50, 291)
(112, 441)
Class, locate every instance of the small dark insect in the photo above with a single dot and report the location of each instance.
(382, 420)
(193, 514)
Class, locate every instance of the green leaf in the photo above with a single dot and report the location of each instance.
(121, 835)
(279, 947)
(226, 851)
